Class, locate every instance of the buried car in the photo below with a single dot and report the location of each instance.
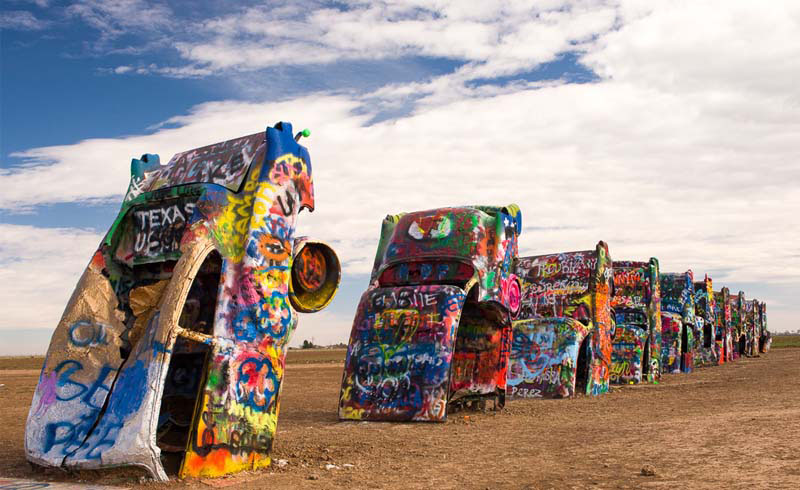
(752, 312)
(636, 304)
(170, 353)
(722, 322)
(738, 334)
(705, 352)
(432, 330)
(765, 339)
(677, 322)
(562, 338)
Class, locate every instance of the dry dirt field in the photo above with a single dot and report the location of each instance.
(733, 426)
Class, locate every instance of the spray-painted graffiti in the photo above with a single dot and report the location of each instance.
(562, 340)
(678, 325)
(398, 359)
(765, 339)
(177, 332)
(636, 302)
(722, 322)
(738, 335)
(158, 229)
(705, 352)
(752, 320)
(544, 358)
(223, 163)
(434, 328)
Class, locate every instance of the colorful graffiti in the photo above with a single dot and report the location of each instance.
(171, 350)
(561, 342)
(636, 354)
(738, 334)
(705, 352)
(400, 352)
(765, 338)
(752, 310)
(432, 331)
(678, 325)
(722, 323)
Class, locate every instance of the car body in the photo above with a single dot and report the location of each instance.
(765, 339)
(170, 353)
(562, 337)
(752, 309)
(677, 322)
(738, 328)
(706, 352)
(722, 321)
(636, 304)
(432, 330)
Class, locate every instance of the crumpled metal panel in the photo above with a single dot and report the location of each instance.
(78, 372)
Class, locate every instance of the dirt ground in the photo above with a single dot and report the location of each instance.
(732, 426)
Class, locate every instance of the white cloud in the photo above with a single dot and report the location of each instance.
(21, 20)
(39, 268)
(495, 38)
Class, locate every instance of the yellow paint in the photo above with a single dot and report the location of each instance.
(352, 413)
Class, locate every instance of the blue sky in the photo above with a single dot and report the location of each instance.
(665, 130)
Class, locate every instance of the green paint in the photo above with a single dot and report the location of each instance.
(214, 379)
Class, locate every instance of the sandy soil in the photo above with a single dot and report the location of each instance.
(734, 426)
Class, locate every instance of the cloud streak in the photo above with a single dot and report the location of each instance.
(22, 20)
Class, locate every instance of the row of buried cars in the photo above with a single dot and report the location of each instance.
(170, 354)
(454, 317)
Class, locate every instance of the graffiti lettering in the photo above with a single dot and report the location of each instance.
(159, 229)
(84, 333)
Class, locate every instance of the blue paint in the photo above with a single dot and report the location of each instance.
(160, 348)
(83, 333)
(131, 386)
(249, 397)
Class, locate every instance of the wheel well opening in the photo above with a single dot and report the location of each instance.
(583, 365)
(186, 374)
(480, 354)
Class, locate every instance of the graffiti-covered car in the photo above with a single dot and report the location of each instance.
(738, 333)
(170, 353)
(765, 339)
(433, 328)
(562, 338)
(722, 322)
(705, 351)
(752, 312)
(677, 322)
(636, 305)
